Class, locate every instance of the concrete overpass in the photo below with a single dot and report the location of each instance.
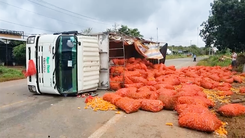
(6, 36)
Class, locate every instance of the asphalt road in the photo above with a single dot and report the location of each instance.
(25, 115)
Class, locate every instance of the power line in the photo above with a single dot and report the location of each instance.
(26, 26)
(38, 13)
(83, 16)
(73, 12)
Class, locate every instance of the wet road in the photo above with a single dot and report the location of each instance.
(25, 115)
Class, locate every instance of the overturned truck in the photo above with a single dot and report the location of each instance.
(71, 63)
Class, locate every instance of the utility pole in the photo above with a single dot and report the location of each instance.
(115, 26)
(157, 34)
(197, 35)
(151, 38)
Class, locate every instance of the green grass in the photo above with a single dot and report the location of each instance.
(175, 56)
(214, 61)
(10, 73)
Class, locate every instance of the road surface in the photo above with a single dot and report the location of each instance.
(25, 115)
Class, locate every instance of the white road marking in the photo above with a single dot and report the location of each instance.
(99, 132)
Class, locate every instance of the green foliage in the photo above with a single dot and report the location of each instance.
(214, 61)
(226, 51)
(87, 31)
(132, 32)
(175, 56)
(19, 53)
(16, 43)
(10, 74)
(195, 50)
(190, 49)
(225, 27)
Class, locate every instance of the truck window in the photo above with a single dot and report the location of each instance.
(66, 64)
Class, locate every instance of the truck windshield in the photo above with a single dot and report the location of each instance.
(66, 64)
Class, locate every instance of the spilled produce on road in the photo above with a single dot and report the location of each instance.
(199, 94)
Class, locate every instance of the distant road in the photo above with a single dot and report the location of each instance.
(182, 62)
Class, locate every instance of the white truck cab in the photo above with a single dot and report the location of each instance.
(66, 63)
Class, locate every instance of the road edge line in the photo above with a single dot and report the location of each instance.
(99, 132)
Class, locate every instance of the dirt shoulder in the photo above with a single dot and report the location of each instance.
(235, 125)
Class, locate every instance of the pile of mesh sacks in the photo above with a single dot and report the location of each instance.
(155, 87)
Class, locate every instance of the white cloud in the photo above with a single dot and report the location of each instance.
(177, 20)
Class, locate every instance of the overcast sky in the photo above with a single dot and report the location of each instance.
(178, 21)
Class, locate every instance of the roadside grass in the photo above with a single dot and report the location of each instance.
(214, 61)
(175, 56)
(11, 73)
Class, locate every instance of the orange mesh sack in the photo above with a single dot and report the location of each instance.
(237, 79)
(192, 93)
(206, 84)
(127, 80)
(115, 85)
(215, 77)
(111, 97)
(195, 100)
(137, 85)
(151, 83)
(207, 122)
(184, 108)
(138, 80)
(152, 105)
(118, 61)
(144, 88)
(139, 95)
(132, 73)
(168, 97)
(131, 60)
(191, 87)
(222, 88)
(122, 92)
(154, 95)
(144, 95)
(228, 80)
(242, 89)
(167, 86)
(225, 93)
(116, 70)
(128, 105)
(231, 110)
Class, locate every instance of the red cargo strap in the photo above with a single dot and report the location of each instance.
(31, 69)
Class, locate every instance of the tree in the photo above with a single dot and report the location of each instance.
(19, 53)
(132, 32)
(15, 43)
(195, 50)
(87, 31)
(225, 27)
